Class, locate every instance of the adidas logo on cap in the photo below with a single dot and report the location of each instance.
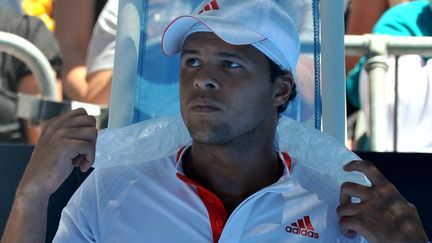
(213, 5)
(303, 227)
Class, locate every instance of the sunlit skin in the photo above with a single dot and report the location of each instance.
(229, 106)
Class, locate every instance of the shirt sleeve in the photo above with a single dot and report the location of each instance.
(101, 49)
(79, 219)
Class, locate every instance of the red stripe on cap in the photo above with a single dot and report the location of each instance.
(207, 8)
(214, 5)
(308, 223)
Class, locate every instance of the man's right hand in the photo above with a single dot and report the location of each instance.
(66, 141)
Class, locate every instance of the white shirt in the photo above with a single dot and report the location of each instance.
(414, 103)
(155, 202)
(101, 48)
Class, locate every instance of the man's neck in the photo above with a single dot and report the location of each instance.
(233, 173)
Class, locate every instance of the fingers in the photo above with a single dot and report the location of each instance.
(83, 162)
(77, 160)
(81, 128)
(81, 151)
(350, 226)
(80, 121)
(347, 209)
(75, 118)
(76, 112)
(86, 157)
(349, 190)
(382, 215)
(350, 209)
(66, 141)
(82, 133)
(72, 125)
(368, 169)
(85, 165)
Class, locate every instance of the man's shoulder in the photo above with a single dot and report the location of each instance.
(129, 180)
(146, 167)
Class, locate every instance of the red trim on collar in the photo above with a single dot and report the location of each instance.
(216, 210)
(287, 159)
(179, 152)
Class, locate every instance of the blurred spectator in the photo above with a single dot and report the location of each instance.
(16, 77)
(414, 80)
(362, 16)
(100, 56)
(37, 8)
(41, 9)
(13, 5)
(74, 25)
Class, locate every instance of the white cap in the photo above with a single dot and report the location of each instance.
(263, 24)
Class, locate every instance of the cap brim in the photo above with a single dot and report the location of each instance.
(235, 34)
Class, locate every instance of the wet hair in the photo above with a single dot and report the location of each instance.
(275, 71)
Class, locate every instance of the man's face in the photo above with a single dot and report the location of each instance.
(225, 90)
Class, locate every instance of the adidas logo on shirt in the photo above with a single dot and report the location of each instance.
(303, 227)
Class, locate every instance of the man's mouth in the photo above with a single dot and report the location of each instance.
(204, 109)
(204, 105)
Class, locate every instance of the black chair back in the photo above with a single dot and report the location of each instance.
(410, 173)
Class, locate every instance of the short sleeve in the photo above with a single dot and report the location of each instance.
(79, 219)
(101, 49)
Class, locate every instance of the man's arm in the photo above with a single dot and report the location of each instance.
(100, 56)
(99, 87)
(67, 141)
(74, 25)
(383, 215)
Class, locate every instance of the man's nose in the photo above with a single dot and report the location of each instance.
(206, 84)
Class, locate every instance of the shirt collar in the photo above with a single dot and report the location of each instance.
(283, 156)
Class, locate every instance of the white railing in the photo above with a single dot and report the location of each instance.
(378, 48)
(37, 108)
(34, 59)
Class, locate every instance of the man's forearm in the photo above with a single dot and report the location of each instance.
(68, 140)
(27, 220)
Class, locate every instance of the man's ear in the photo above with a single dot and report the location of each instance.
(283, 85)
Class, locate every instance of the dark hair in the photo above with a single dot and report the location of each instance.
(275, 71)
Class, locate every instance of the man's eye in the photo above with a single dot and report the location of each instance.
(193, 62)
(230, 64)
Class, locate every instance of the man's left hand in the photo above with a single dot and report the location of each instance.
(383, 215)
